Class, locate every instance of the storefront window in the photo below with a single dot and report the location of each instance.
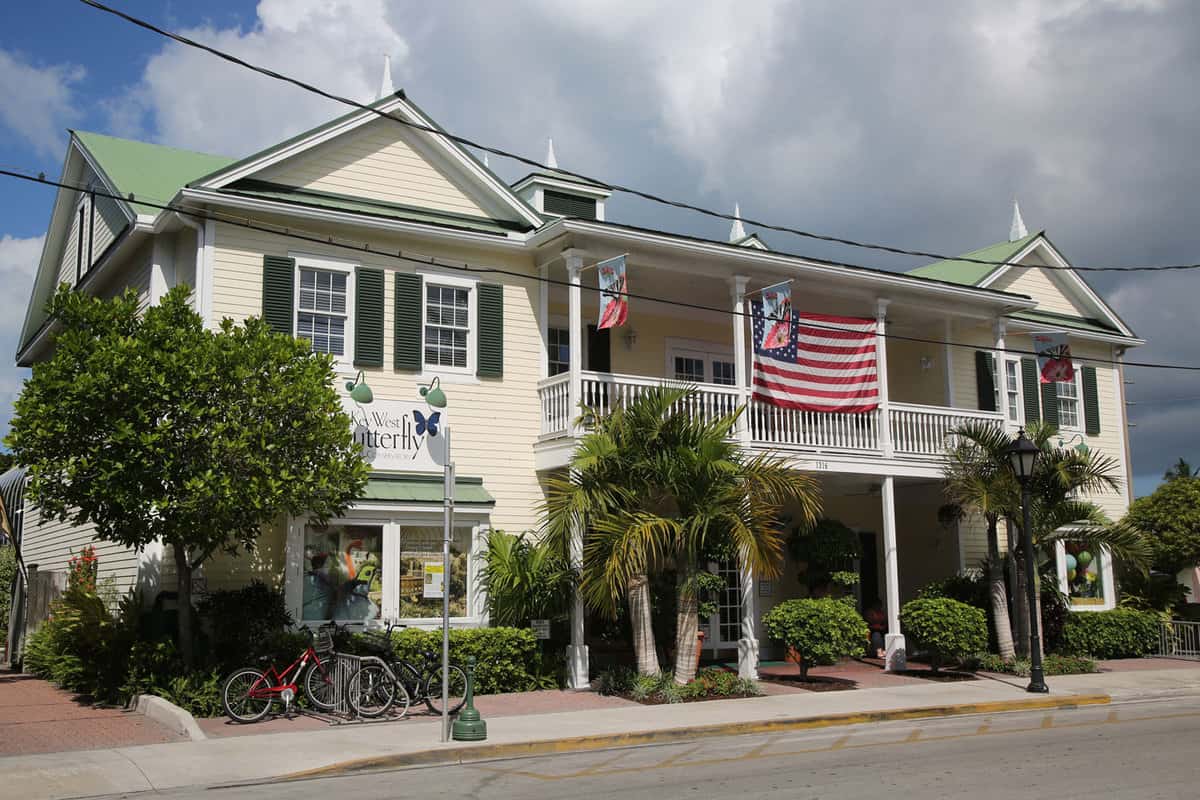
(423, 545)
(343, 572)
(1085, 575)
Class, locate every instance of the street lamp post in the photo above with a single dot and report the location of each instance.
(1023, 455)
(436, 398)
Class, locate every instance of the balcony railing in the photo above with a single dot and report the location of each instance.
(916, 430)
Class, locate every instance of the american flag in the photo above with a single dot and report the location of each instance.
(829, 364)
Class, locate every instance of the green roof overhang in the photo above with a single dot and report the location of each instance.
(418, 489)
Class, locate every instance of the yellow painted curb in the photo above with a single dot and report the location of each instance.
(461, 754)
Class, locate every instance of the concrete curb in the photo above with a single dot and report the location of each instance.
(172, 716)
(461, 754)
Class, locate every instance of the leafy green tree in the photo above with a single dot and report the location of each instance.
(659, 488)
(7, 461)
(819, 630)
(153, 428)
(1171, 519)
(945, 629)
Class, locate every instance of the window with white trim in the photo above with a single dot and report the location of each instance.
(447, 325)
(1068, 402)
(558, 350)
(323, 310)
(689, 369)
(1012, 386)
(724, 373)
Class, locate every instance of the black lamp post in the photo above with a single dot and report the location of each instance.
(1023, 455)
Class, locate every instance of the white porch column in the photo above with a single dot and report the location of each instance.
(575, 323)
(162, 267)
(544, 318)
(948, 350)
(1001, 372)
(737, 297)
(894, 640)
(748, 643)
(881, 369)
(577, 651)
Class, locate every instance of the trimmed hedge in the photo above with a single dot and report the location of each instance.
(945, 629)
(819, 630)
(506, 659)
(1119, 633)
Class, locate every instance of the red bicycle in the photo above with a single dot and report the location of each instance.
(249, 693)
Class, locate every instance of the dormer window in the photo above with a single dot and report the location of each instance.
(556, 194)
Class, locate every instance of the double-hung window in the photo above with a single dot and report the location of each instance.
(1012, 386)
(558, 350)
(1068, 402)
(323, 309)
(447, 325)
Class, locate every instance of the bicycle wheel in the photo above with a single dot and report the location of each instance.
(237, 696)
(370, 691)
(457, 694)
(320, 687)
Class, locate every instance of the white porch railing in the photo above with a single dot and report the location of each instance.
(555, 396)
(925, 430)
(916, 430)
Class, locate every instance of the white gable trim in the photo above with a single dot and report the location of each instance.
(482, 177)
(1060, 270)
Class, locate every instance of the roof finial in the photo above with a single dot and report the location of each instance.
(737, 232)
(1017, 231)
(485, 160)
(386, 89)
(551, 161)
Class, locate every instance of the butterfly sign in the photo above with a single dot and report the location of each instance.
(614, 304)
(777, 314)
(1054, 357)
(427, 425)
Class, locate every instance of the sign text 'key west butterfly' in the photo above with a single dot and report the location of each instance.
(399, 436)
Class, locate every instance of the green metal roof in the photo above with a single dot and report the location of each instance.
(153, 171)
(968, 273)
(1066, 321)
(362, 205)
(424, 490)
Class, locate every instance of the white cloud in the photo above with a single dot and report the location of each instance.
(190, 99)
(18, 263)
(38, 101)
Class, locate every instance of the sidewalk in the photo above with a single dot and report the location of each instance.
(415, 741)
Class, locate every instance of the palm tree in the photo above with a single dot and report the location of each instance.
(661, 488)
(1062, 477)
(978, 478)
(1181, 469)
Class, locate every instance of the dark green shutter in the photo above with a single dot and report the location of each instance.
(407, 329)
(985, 380)
(1091, 402)
(279, 293)
(368, 317)
(1050, 404)
(1029, 388)
(490, 331)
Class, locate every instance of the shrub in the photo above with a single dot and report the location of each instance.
(241, 621)
(709, 682)
(1119, 633)
(820, 631)
(524, 579)
(8, 573)
(971, 589)
(1052, 664)
(945, 629)
(506, 659)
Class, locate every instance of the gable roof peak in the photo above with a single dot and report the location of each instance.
(386, 88)
(737, 231)
(1017, 230)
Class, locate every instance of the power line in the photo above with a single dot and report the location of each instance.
(645, 195)
(326, 240)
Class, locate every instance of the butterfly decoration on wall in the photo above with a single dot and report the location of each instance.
(430, 424)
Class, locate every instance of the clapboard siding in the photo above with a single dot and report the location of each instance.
(376, 162)
(1038, 284)
(496, 422)
(51, 544)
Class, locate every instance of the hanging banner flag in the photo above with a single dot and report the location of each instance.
(614, 305)
(828, 365)
(1054, 357)
(777, 316)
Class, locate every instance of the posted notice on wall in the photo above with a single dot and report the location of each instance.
(541, 628)
(435, 579)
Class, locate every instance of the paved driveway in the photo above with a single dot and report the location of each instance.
(35, 717)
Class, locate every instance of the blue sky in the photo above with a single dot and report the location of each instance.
(914, 125)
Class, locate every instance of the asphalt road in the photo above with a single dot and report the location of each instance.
(1134, 750)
